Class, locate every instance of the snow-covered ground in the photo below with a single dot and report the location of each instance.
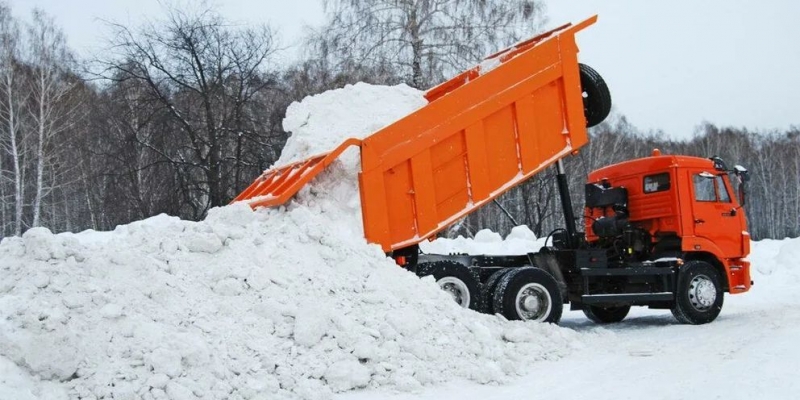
(292, 303)
(749, 352)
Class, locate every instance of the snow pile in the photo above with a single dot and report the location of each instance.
(520, 241)
(242, 305)
(776, 261)
(320, 123)
(279, 303)
(489, 64)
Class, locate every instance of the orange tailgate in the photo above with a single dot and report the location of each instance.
(277, 185)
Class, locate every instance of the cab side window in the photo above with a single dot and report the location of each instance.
(656, 183)
(703, 188)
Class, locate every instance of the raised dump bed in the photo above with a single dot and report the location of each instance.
(482, 132)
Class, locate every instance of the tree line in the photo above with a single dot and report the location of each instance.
(179, 114)
(772, 194)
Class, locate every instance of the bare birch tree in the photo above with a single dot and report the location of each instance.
(424, 40)
(12, 99)
(204, 74)
(50, 84)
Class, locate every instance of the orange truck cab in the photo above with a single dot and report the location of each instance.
(686, 206)
(669, 208)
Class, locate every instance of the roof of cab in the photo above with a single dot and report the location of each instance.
(649, 164)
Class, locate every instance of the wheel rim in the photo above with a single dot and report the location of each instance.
(457, 289)
(702, 293)
(533, 302)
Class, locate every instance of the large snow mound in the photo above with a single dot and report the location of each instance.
(278, 303)
(321, 122)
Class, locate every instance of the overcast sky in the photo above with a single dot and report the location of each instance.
(669, 64)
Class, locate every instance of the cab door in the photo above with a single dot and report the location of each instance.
(715, 213)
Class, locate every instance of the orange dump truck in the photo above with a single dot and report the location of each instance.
(663, 231)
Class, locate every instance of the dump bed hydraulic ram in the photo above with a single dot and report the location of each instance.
(566, 205)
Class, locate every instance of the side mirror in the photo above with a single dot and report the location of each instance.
(742, 173)
(741, 194)
(744, 176)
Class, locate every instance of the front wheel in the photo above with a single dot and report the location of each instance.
(528, 294)
(699, 297)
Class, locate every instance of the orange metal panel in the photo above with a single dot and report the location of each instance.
(374, 206)
(549, 126)
(501, 147)
(398, 190)
(515, 120)
(423, 191)
(277, 185)
(453, 205)
(658, 211)
(448, 179)
(478, 163)
(465, 106)
(526, 131)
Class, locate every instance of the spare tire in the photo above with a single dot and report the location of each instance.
(596, 97)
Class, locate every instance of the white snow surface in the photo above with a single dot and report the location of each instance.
(520, 241)
(320, 123)
(749, 352)
(292, 303)
(269, 304)
(489, 64)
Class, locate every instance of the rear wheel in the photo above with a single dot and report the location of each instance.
(455, 279)
(606, 315)
(528, 294)
(699, 297)
(487, 294)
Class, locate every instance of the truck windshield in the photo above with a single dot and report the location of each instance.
(724, 197)
(736, 183)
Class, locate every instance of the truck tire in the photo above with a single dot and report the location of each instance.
(528, 294)
(606, 315)
(455, 279)
(699, 296)
(487, 292)
(596, 96)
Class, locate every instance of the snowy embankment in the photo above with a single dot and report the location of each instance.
(749, 352)
(279, 303)
(292, 303)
